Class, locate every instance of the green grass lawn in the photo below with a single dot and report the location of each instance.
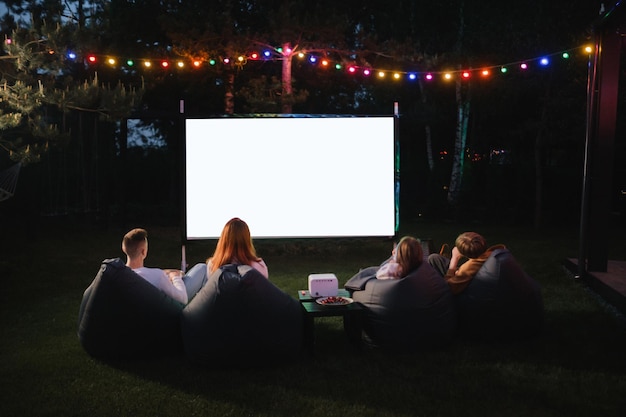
(577, 367)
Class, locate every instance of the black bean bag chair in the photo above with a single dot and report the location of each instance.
(502, 302)
(123, 316)
(241, 319)
(409, 314)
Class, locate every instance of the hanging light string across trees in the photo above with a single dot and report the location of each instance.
(317, 59)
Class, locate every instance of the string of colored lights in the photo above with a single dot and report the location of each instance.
(320, 60)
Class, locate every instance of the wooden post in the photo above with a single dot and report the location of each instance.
(601, 156)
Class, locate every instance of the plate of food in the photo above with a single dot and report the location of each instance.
(334, 301)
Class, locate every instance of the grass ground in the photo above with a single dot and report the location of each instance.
(577, 367)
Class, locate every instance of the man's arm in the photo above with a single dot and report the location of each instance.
(176, 287)
(454, 262)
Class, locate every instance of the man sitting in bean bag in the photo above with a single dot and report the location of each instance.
(124, 316)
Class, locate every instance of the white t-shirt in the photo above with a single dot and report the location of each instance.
(158, 278)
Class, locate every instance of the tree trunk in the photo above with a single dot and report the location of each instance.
(539, 156)
(538, 178)
(462, 102)
(287, 89)
(81, 14)
(229, 94)
(427, 131)
(458, 161)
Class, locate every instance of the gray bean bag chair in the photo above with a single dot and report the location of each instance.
(404, 315)
(241, 319)
(502, 302)
(123, 316)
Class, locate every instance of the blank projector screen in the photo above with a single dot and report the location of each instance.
(290, 177)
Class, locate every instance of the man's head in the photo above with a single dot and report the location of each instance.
(135, 243)
(471, 244)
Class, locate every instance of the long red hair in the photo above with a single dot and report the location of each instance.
(234, 245)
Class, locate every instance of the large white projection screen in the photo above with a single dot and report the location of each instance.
(290, 176)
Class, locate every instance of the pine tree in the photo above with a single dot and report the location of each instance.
(41, 81)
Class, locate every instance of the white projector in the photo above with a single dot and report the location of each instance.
(323, 285)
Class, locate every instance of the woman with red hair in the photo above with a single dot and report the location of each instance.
(235, 247)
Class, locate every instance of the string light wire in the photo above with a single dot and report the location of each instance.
(315, 59)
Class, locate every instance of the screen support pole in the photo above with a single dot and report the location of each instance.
(396, 150)
(183, 261)
(181, 121)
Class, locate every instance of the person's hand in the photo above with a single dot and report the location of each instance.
(456, 255)
(174, 273)
(454, 259)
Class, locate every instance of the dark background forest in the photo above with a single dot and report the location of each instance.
(114, 154)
